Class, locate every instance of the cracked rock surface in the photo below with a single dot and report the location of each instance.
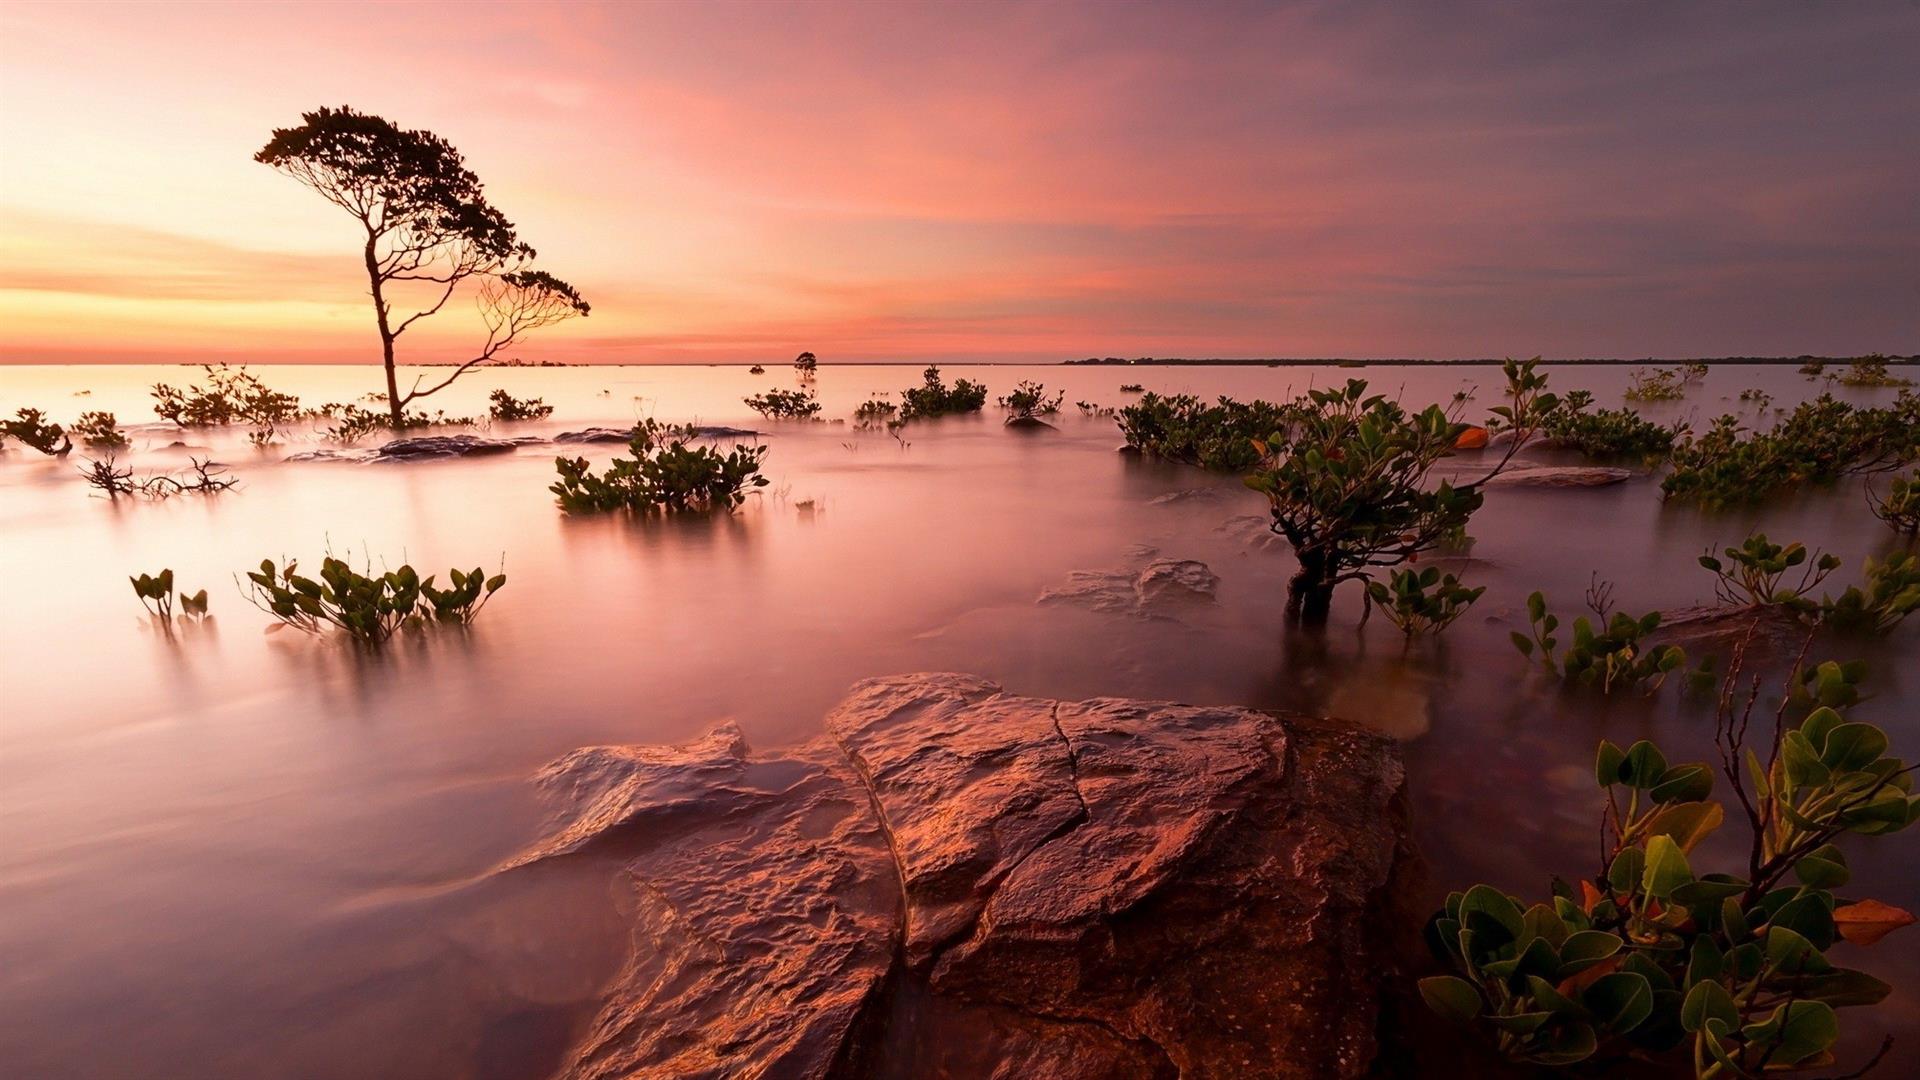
(959, 881)
(1161, 588)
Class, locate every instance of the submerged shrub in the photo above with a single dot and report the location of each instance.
(352, 422)
(1030, 399)
(99, 431)
(1131, 388)
(874, 412)
(30, 426)
(1607, 433)
(156, 595)
(1872, 371)
(1820, 441)
(665, 474)
(508, 409)
(934, 398)
(1219, 437)
(1345, 480)
(369, 609)
(784, 404)
(1663, 384)
(1901, 508)
(1614, 656)
(1421, 602)
(1653, 957)
(1755, 573)
(230, 395)
(1813, 368)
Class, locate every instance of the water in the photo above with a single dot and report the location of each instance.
(234, 853)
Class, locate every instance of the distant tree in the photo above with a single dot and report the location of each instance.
(805, 364)
(427, 222)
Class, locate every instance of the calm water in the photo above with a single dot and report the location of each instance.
(235, 853)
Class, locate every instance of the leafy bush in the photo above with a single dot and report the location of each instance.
(369, 609)
(30, 426)
(508, 409)
(1872, 371)
(1813, 369)
(156, 595)
(1422, 602)
(1606, 433)
(1891, 594)
(1088, 408)
(665, 474)
(1030, 399)
(1820, 441)
(1754, 573)
(1345, 480)
(1131, 388)
(353, 422)
(874, 412)
(1218, 438)
(784, 404)
(1651, 956)
(99, 431)
(933, 398)
(806, 364)
(1663, 384)
(1901, 508)
(230, 395)
(1615, 656)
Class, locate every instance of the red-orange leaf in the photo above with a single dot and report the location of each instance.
(1868, 921)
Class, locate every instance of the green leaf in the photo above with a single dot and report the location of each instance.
(1805, 1029)
(1644, 765)
(1853, 746)
(1666, 869)
(1607, 762)
(1823, 868)
(1708, 1001)
(1451, 997)
(1620, 1001)
(1584, 949)
(1684, 784)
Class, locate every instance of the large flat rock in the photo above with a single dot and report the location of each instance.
(959, 881)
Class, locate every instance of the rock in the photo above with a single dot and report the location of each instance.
(1776, 633)
(333, 455)
(1029, 423)
(959, 881)
(426, 447)
(1193, 495)
(1157, 589)
(1561, 476)
(1254, 530)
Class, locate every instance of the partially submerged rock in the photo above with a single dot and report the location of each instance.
(1028, 423)
(1561, 476)
(623, 435)
(424, 447)
(1161, 588)
(960, 881)
(1769, 631)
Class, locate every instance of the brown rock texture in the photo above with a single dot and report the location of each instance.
(1160, 589)
(959, 881)
(1562, 476)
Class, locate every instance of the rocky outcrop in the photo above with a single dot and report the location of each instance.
(959, 881)
(1162, 588)
(426, 447)
(1028, 423)
(1561, 476)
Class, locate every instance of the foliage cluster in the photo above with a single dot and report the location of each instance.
(1615, 655)
(1756, 573)
(367, 608)
(1872, 371)
(508, 409)
(1345, 480)
(31, 427)
(934, 398)
(1663, 384)
(99, 431)
(1421, 602)
(229, 395)
(1219, 437)
(665, 474)
(1650, 956)
(1820, 441)
(1607, 433)
(1030, 399)
(785, 404)
(1901, 506)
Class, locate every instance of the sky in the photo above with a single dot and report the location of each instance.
(992, 182)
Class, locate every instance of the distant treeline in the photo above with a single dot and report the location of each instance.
(1340, 361)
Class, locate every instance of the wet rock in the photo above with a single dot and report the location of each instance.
(428, 447)
(333, 455)
(1160, 588)
(1194, 495)
(960, 881)
(1769, 630)
(1561, 476)
(1253, 530)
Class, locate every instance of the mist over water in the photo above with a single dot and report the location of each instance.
(234, 853)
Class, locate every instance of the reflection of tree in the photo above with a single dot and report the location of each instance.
(427, 224)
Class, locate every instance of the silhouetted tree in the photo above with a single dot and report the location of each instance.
(427, 221)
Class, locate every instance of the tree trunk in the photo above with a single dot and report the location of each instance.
(1310, 593)
(386, 334)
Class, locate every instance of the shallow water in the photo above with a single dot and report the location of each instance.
(233, 853)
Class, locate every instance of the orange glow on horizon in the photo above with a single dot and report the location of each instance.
(736, 183)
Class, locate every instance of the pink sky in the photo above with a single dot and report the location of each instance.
(994, 182)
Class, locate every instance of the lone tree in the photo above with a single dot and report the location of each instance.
(428, 227)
